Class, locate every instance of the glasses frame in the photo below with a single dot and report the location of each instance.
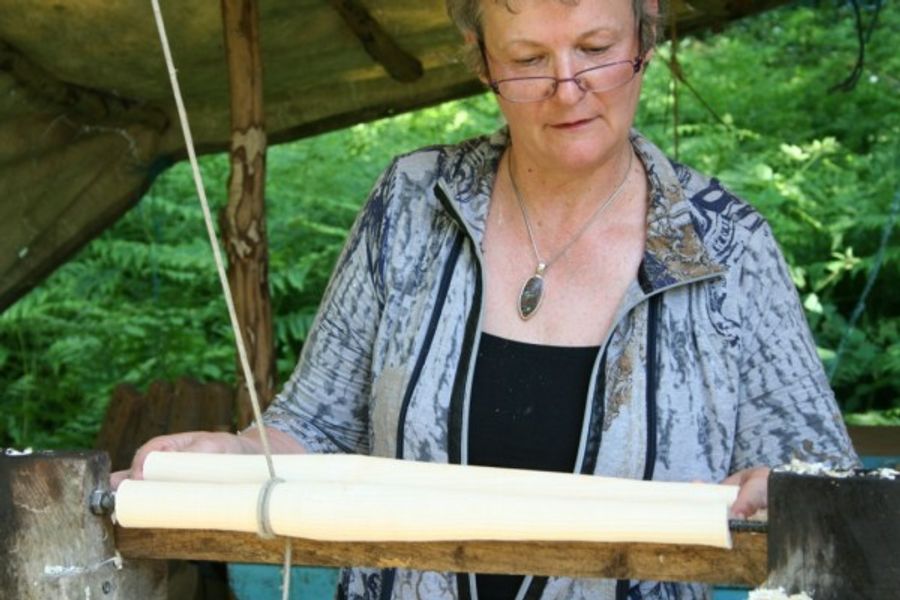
(637, 63)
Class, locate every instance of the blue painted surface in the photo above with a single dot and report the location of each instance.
(258, 582)
(730, 594)
(252, 582)
(878, 462)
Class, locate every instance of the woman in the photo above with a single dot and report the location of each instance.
(557, 296)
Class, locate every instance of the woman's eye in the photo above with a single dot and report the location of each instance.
(595, 49)
(526, 61)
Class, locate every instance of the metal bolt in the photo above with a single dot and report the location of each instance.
(102, 502)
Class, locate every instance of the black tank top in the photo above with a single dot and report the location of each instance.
(526, 412)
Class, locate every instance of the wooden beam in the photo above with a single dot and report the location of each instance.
(77, 103)
(243, 220)
(378, 43)
(876, 440)
(745, 564)
(698, 16)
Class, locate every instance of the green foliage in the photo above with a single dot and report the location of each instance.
(890, 416)
(138, 304)
(820, 165)
(142, 301)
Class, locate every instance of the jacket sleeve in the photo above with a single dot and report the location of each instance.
(786, 408)
(324, 404)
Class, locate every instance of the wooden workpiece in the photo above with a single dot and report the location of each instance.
(370, 499)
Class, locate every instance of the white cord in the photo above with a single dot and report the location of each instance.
(286, 570)
(223, 278)
(213, 239)
(263, 525)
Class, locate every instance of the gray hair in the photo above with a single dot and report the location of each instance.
(466, 15)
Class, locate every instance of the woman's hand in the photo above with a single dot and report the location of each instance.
(753, 495)
(206, 441)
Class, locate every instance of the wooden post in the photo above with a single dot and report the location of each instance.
(244, 219)
(52, 545)
(133, 418)
(834, 537)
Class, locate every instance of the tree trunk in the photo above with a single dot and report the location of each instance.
(243, 219)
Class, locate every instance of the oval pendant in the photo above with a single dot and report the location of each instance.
(530, 297)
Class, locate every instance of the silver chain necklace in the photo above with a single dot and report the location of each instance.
(533, 291)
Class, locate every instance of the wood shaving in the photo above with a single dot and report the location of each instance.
(777, 594)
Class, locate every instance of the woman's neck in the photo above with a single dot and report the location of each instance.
(555, 195)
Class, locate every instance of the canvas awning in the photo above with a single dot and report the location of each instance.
(88, 118)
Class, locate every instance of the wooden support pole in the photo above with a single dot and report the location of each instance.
(52, 545)
(243, 220)
(745, 564)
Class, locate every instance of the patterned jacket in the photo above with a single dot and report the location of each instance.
(735, 381)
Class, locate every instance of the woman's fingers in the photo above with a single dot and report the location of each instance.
(118, 477)
(753, 493)
(191, 441)
(206, 441)
(165, 443)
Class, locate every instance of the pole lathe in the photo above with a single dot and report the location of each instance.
(825, 534)
(367, 511)
(56, 547)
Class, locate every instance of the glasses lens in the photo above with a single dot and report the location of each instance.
(606, 77)
(526, 90)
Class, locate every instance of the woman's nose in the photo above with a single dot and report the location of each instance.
(568, 90)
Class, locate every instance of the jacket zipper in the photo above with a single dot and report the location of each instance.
(459, 398)
(388, 575)
(446, 276)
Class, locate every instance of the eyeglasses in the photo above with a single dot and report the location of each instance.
(602, 78)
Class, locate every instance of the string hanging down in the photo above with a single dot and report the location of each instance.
(213, 238)
(262, 529)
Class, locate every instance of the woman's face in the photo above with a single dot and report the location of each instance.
(572, 130)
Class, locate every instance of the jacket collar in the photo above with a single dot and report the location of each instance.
(674, 253)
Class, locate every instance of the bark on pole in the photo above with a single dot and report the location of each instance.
(243, 219)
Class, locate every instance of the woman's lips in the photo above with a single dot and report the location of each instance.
(571, 125)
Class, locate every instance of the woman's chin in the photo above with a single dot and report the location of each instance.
(575, 159)
(586, 149)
